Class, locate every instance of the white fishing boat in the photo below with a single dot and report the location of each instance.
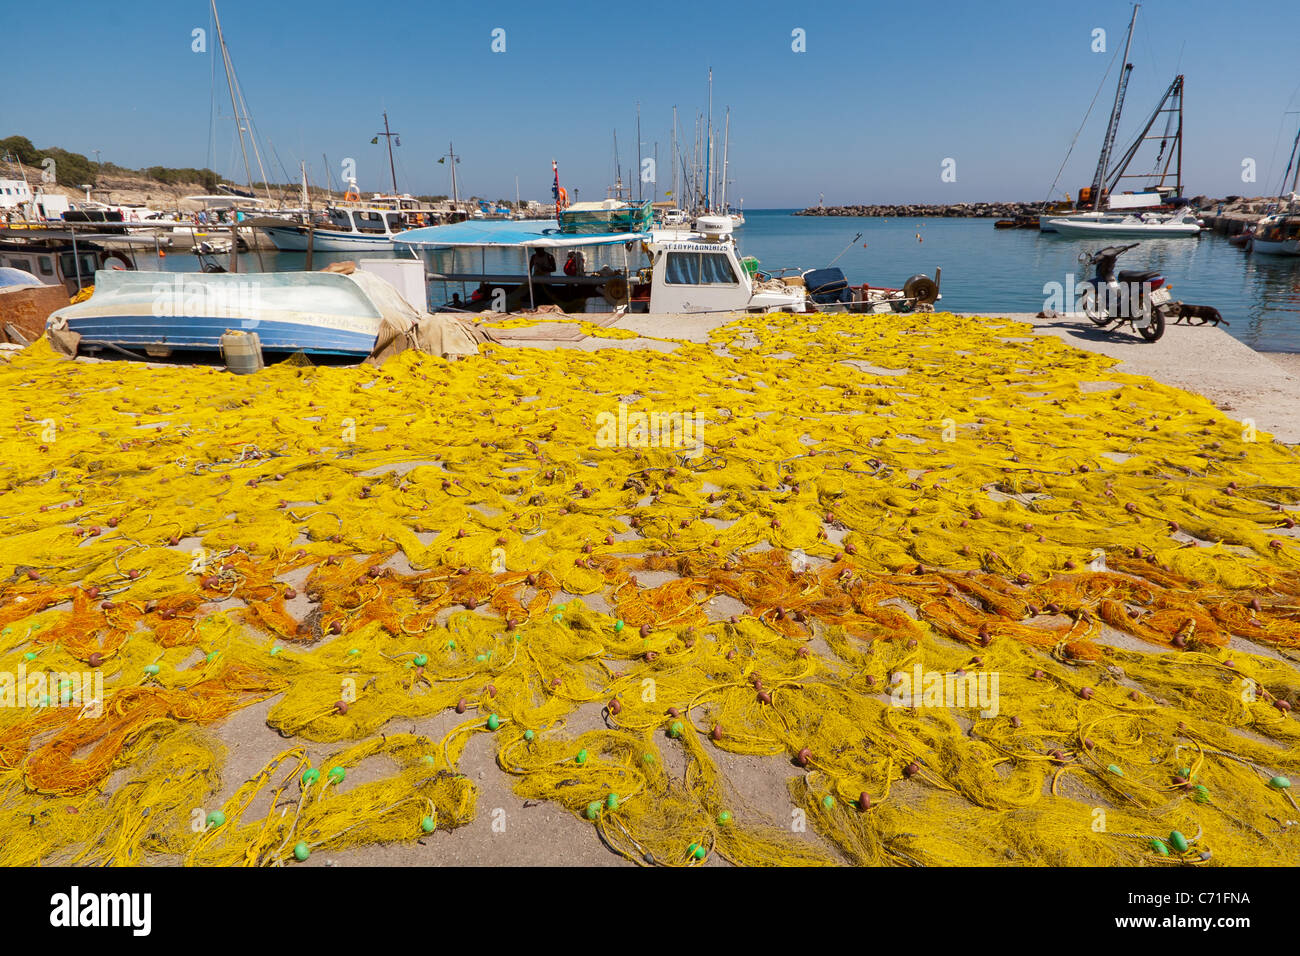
(671, 271)
(1148, 225)
(349, 228)
(684, 270)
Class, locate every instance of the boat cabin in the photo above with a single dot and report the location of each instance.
(55, 262)
(368, 220)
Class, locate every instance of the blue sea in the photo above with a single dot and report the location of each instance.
(984, 269)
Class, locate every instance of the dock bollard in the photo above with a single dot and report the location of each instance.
(242, 352)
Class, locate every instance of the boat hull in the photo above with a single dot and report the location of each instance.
(1124, 230)
(294, 239)
(1285, 247)
(154, 336)
(161, 313)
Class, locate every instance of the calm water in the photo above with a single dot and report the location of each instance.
(984, 269)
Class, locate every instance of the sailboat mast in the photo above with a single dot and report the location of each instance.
(638, 152)
(1099, 177)
(230, 84)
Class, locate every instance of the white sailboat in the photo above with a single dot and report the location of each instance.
(1278, 233)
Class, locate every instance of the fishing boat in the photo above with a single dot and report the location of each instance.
(60, 256)
(679, 271)
(350, 227)
(691, 270)
(165, 313)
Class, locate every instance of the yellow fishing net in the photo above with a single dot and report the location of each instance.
(972, 596)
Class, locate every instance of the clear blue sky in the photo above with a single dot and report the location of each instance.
(884, 93)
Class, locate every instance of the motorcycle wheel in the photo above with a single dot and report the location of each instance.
(1156, 327)
(1090, 307)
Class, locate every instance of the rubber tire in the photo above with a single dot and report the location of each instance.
(1087, 305)
(1156, 327)
(922, 288)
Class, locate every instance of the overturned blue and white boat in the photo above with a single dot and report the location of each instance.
(162, 314)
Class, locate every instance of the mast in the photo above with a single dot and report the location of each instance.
(726, 145)
(1099, 177)
(617, 191)
(455, 194)
(1294, 161)
(676, 201)
(708, 152)
(230, 84)
(638, 151)
(389, 135)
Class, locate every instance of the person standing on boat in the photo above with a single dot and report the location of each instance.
(541, 263)
(576, 264)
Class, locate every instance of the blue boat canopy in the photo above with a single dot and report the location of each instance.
(542, 233)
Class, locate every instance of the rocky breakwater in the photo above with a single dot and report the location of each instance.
(961, 210)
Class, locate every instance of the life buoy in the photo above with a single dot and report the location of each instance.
(352, 196)
(563, 201)
(117, 261)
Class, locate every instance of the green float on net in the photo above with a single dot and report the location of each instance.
(337, 774)
(1178, 841)
(427, 824)
(310, 776)
(301, 852)
(493, 722)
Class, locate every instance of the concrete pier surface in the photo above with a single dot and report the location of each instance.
(1243, 383)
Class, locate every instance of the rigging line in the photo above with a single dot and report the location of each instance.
(1277, 139)
(1077, 132)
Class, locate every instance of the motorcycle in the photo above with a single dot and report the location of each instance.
(1140, 298)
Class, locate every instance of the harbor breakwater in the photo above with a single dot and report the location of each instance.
(1228, 216)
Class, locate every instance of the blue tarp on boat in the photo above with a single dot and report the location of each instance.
(541, 233)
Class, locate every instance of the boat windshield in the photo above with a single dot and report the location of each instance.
(699, 268)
